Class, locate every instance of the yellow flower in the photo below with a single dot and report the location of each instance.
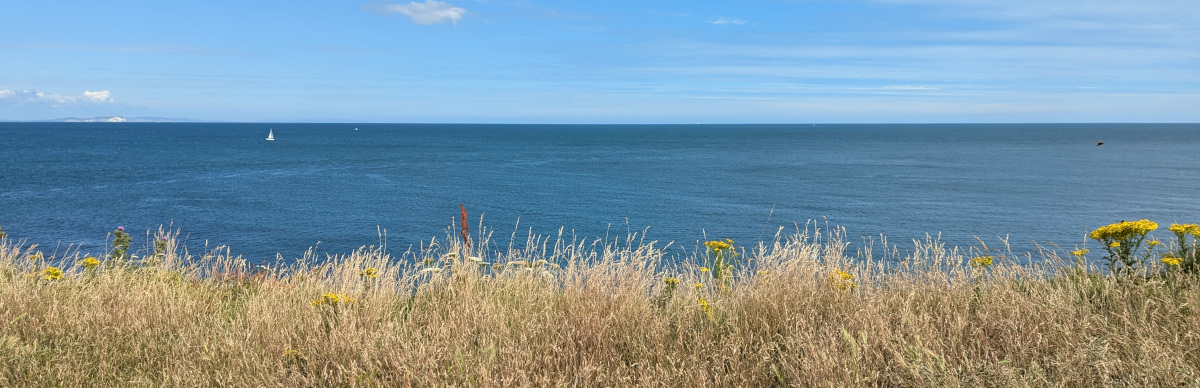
(52, 273)
(1115, 244)
(703, 269)
(981, 262)
(698, 285)
(35, 257)
(842, 280)
(1123, 230)
(670, 281)
(1182, 229)
(368, 273)
(1171, 260)
(90, 262)
(704, 306)
(1079, 252)
(332, 299)
(718, 245)
(1152, 243)
(291, 353)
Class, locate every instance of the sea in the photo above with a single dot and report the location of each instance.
(334, 188)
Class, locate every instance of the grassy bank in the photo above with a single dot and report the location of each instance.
(803, 311)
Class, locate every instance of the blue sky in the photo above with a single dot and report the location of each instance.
(501, 61)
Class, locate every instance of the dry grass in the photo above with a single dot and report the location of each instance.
(594, 314)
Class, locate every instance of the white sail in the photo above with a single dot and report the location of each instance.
(271, 135)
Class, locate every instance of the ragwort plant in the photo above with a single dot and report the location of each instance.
(1123, 243)
(1186, 252)
(722, 255)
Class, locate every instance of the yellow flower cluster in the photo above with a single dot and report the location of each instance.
(90, 262)
(718, 245)
(1153, 243)
(1171, 260)
(1079, 252)
(1181, 229)
(981, 262)
(1115, 244)
(52, 273)
(704, 306)
(842, 280)
(670, 281)
(332, 299)
(1124, 230)
(369, 273)
(698, 285)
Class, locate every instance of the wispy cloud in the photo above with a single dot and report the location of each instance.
(723, 21)
(33, 97)
(429, 12)
(908, 87)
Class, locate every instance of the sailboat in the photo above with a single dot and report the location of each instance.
(270, 135)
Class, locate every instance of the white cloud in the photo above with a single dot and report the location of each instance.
(429, 12)
(720, 21)
(33, 97)
(98, 96)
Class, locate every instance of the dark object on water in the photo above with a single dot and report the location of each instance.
(1099, 143)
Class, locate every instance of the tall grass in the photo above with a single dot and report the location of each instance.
(556, 311)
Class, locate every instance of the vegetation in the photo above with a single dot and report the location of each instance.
(802, 310)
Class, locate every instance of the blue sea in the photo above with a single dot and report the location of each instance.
(67, 184)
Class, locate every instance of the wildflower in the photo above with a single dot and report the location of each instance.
(52, 273)
(332, 299)
(698, 285)
(1182, 229)
(1171, 260)
(121, 228)
(703, 269)
(90, 262)
(291, 353)
(35, 257)
(1079, 252)
(1115, 244)
(718, 245)
(369, 273)
(670, 281)
(1152, 243)
(1124, 230)
(842, 280)
(704, 306)
(981, 262)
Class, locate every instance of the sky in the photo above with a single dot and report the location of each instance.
(613, 61)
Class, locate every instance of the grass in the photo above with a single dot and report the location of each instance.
(574, 313)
